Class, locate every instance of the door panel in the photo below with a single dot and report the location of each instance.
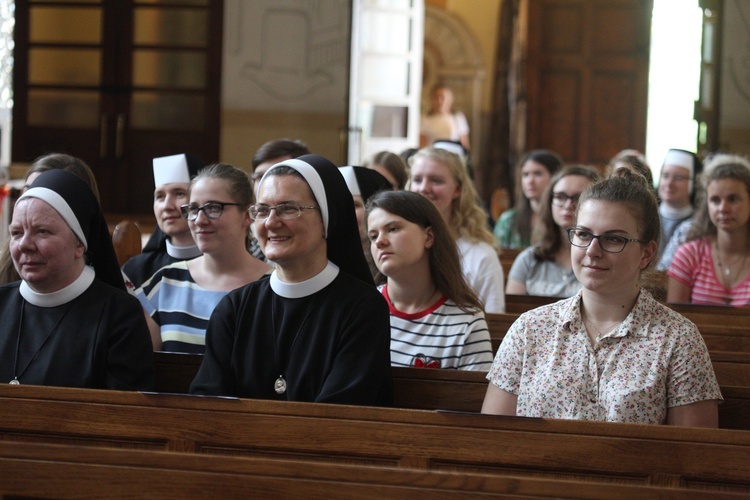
(587, 76)
(118, 83)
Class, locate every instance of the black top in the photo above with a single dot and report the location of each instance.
(98, 340)
(332, 346)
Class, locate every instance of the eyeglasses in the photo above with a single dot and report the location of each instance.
(675, 177)
(611, 243)
(288, 210)
(560, 199)
(212, 209)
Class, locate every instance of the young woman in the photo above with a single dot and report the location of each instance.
(442, 121)
(713, 267)
(180, 297)
(363, 183)
(436, 318)
(545, 269)
(441, 177)
(391, 166)
(317, 328)
(611, 352)
(515, 226)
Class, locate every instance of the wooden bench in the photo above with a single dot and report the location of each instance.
(464, 390)
(57, 471)
(507, 256)
(703, 460)
(126, 238)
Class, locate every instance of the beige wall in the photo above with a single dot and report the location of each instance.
(481, 17)
(243, 132)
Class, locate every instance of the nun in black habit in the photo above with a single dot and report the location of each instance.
(69, 321)
(316, 329)
(172, 175)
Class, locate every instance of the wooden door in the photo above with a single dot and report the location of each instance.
(117, 83)
(587, 76)
(385, 77)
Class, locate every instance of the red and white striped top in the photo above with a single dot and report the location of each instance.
(693, 266)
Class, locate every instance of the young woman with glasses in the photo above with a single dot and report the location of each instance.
(316, 329)
(179, 298)
(545, 268)
(611, 352)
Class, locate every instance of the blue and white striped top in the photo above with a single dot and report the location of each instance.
(179, 306)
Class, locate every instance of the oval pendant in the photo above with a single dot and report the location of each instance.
(280, 385)
(14, 382)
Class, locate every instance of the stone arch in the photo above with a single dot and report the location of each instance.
(452, 55)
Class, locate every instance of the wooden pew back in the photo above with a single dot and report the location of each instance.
(595, 452)
(55, 471)
(126, 238)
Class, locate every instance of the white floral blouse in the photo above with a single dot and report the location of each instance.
(656, 359)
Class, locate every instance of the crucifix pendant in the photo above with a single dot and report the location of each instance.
(14, 382)
(279, 386)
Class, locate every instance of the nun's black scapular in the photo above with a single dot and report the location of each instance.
(326, 339)
(91, 333)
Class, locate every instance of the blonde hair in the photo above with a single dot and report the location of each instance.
(467, 217)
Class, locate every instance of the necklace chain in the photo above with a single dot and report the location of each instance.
(598, 331)
(726, 271)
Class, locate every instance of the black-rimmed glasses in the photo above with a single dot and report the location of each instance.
(288, 210)
(560, 199)
(611, 243)
(212, 209)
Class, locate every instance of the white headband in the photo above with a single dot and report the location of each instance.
(313, 180)
(351, 180)
(61, 206)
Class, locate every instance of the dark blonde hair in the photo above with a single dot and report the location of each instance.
(238, 184)
(629, 189)
(467, 217)
(550, 239)
(445, 264)
(394, 164)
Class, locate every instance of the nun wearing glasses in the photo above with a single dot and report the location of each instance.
(179, 298)
(316, 329)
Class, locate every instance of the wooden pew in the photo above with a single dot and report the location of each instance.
(518, 304)
(507, 256)
(464, 391)
(58, 471)
(126, 238)
(703, 460)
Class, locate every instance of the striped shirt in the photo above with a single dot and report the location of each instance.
(693, 266)
(179, 306)
(442, 336)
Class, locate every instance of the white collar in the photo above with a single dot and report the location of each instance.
(62, 296)
(676, 213)
(307, 287)
(182, 253)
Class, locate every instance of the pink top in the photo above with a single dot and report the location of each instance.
(654, 360)
(693, 266)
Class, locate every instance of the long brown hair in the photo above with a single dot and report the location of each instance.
(445, 264)
(550, 239)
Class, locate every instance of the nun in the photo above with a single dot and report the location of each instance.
(363, 183)
(69, 321)
(316, 329)
(677, 190)
(171, 241)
